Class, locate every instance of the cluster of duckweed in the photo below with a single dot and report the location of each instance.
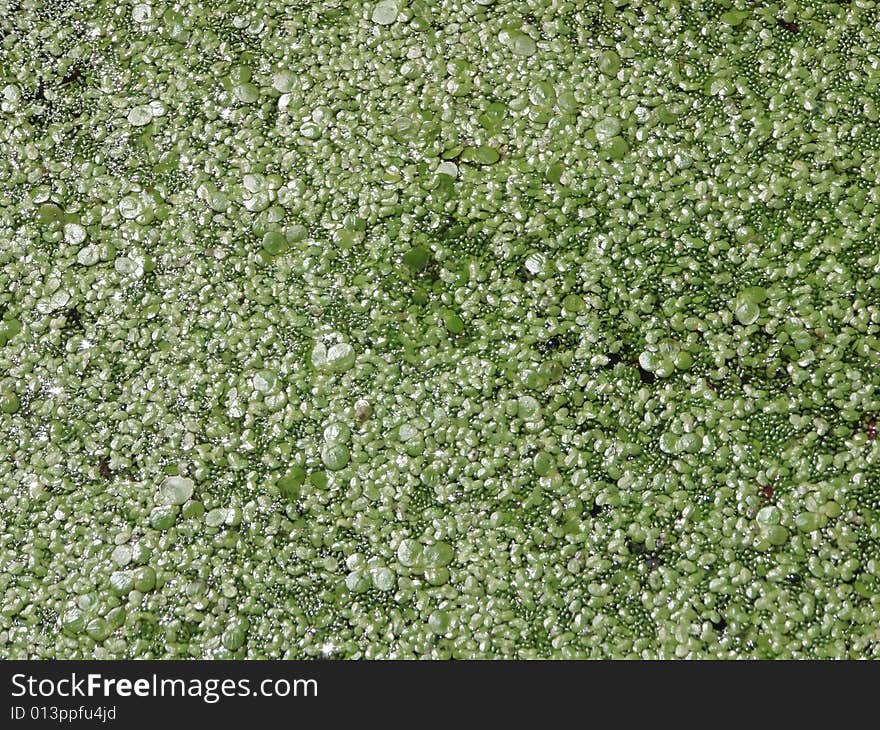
(396, 328)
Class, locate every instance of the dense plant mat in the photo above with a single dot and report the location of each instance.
(439, 329)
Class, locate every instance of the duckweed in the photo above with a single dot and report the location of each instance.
(175, 490)
(423, 330)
